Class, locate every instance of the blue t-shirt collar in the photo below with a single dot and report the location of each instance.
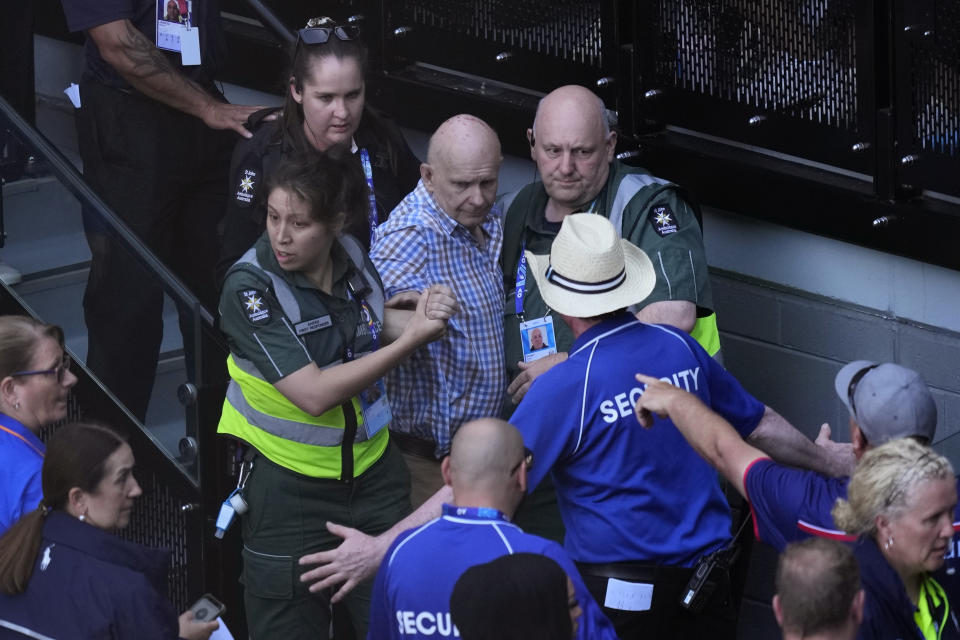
(17, 427)
(599, 329)
(474, 513)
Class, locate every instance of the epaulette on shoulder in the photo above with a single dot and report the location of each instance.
(257, 118)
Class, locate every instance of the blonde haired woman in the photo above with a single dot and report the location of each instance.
(900, 502)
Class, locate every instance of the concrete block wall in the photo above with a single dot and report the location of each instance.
(785, 345)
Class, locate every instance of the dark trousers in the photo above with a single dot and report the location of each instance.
(164, 174)
(666, 619)
(287, 519)
(16, 58)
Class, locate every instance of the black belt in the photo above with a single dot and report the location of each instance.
(414, 446)
(637, 572)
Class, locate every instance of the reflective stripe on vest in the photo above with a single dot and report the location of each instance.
(285, 296)
(267, 409)
(257, 413)
(630, 185)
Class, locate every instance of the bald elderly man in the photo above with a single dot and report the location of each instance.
(447, 231)
(573, 146)
(487, 470)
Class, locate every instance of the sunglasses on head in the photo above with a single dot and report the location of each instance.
(320, 34)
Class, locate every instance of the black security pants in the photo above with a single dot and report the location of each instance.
(666, 619)
(164, 174)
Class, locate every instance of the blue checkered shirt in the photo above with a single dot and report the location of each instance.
(461, 376)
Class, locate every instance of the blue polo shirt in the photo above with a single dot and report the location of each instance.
(791, 504)
(21, 458)
(628, 494)
(411, 595)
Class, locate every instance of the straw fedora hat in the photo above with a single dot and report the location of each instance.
(590, 270)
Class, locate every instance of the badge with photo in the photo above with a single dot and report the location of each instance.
(174, 17)
(376, 408)
(537, 338)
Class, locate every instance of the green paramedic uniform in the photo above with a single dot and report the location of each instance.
(308, 469)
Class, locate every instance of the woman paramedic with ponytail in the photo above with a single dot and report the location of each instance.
(310, 341)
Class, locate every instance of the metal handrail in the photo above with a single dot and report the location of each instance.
(205, 335)
(272, 22)
(68, 175)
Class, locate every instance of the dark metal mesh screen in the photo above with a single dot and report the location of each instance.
(792, 56)
(935, 75)
(158, 521)
(565, 29)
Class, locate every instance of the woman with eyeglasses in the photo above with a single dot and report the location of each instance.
(325, 108)
(900, 504)
(65, 574)
(35, 381)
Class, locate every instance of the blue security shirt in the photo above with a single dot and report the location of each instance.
(21, 459)
(411, 595)
(792, 504)
(627, 493)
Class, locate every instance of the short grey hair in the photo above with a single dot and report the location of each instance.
(817, 581)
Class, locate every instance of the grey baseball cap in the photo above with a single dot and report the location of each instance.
(887, 401)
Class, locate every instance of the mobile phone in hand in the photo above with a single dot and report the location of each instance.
(207, 608)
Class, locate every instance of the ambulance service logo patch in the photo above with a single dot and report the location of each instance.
(246, 187)
(663, 220)
(255, 305)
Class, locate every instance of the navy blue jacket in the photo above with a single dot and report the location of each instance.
(88, 583)
(888, 612)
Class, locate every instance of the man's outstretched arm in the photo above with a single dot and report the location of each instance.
(779, 439)
(708, 433)
(359, 555)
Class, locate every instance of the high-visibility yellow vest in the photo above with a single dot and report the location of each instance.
(706, 333)
(255, 412)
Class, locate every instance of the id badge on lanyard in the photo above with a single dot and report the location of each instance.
(368, 174)
(373, 400)
(176, 31)
(537, 337)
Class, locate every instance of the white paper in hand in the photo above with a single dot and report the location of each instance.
(222, 633)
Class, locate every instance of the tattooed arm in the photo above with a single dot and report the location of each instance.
(145, 67)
